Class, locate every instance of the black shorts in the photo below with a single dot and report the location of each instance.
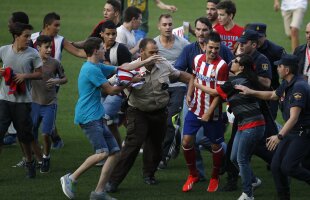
(19, 114)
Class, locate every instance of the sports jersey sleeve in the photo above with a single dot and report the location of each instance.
(226, 54)
(263, 68)
(299, 95)
(222, 76)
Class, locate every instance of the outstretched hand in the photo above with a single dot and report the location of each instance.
(272, 142)
(243, 89)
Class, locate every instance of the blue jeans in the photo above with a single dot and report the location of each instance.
(242, 150)
(100, 136)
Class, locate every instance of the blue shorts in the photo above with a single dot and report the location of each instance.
(214, 130)
(100, 136)
(45, 114)
(112, 106)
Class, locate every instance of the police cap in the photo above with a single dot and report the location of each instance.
(260, 28)
(248, 35)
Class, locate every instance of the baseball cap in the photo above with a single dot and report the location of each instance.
(260, 28)
(287, 60)
(248, 35)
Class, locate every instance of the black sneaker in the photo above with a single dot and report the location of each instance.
(150, 180)
(45, 167)
(31, 169)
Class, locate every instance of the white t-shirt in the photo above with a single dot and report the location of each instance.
(126, 37)
(293, 4)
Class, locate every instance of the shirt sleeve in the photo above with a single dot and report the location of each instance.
(299, 96)
(121, 37)
(182, 62)
(107, 70)
(263, 67)
(60, 70)
(280, 90)
(174, 73)
(222, 75)
(96, 30)
(96, 76)
(123, 55)
(37, 61)
(224, 90)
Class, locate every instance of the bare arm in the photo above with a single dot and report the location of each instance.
(206, 116)
(111, 90)
(264, 95)
(205, 89)
(73, 50)
(149, 61)
(56, 81)
(266, 82)
(276, 5)
(190, 91)
(37, 74)
(273, 141)
(79, 44)
(164, 6)
(184, 77)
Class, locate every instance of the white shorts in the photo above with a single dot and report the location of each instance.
(293, 18)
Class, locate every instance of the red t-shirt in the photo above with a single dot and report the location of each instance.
(229, 38)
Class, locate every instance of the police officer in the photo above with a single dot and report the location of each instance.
(293, 140)
(273, 52)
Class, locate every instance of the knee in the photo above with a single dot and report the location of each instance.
(116, 156)
(187, 142)
(100, 156)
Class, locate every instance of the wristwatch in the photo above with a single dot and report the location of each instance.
(280, 137)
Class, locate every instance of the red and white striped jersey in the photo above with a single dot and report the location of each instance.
(210, 75)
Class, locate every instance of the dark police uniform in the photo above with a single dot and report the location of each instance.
(273, 52)
(295, 145)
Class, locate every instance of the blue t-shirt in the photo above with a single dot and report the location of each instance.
(89, 107)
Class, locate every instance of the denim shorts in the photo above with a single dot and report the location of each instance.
(112, 106)
(45, 114)
(100, 136)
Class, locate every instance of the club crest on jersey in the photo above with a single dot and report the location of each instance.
(265, 66)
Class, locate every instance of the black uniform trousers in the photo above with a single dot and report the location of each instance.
(146, 128)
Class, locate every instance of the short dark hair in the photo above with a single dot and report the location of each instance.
(164, 16)
(91, 44)
(228, 6)
(214, 1)
(293, 68)
(43, 39)
(107, 25)
(50, 18)
(115, 4)
(145, 41)
(21, 17)
(18, 28)
(205, 21)
(131, 12)
(213, 36)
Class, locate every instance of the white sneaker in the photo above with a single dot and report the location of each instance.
(244, 196)
(257, 184)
